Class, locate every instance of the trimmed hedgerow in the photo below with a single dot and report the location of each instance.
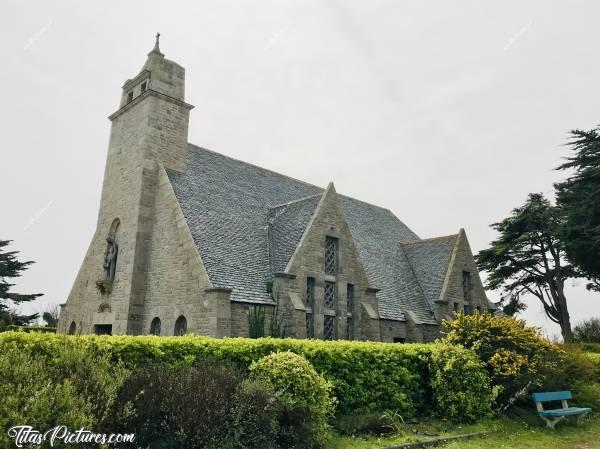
(366, 376)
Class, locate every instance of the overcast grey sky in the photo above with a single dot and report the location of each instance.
(448, 113)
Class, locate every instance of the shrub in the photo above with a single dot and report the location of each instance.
(255, 416)
(178, 406)
(588, 331)
(71, 388)
(367, 377)
(578, 371)
(304, 395)
(205, 406)
(460, 385)
(513, 352)
(95, 377)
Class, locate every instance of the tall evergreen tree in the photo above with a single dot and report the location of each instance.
(528, 258)
(11, 267)
(579, 199)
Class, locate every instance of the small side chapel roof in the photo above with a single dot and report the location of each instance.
(247, 221)
(429, 260)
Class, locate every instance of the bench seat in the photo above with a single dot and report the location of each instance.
(570, 411)
(553, 416)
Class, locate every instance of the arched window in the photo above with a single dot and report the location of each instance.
(155, 326)
(72, 328)
(180, 326)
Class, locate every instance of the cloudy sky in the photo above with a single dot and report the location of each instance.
(448, 113)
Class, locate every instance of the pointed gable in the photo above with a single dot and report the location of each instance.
(430, 260)
(286, 224)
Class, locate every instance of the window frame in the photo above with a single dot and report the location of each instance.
(326, 335)
(331, 255)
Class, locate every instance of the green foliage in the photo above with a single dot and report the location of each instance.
(67, 386)
(30, 395)
(588, 331)
(394, 422)
(51, 315)
(255, 416)
(527, 258)
(512, 305)
(11, 267)
(276, 323)
(578, 371)
(196, 407)
(367, 377)
(304, 395)
(579, 200)
(460, 385)
(256, 322)
(591, 347)
(514, 353)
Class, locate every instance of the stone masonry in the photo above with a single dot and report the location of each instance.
(204, 240)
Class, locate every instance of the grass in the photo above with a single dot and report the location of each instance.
(424, 431)
(505, 433)
(512, 434)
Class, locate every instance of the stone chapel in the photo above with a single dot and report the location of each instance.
(192, 241)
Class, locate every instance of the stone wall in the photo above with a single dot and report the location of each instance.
(452, 290)
(393, 331)
(121, 199)
(151, 128)
(176, 278)
(308, 261)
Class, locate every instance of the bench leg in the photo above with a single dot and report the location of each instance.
(552, 422)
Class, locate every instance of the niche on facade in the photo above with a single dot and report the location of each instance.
(109, 266)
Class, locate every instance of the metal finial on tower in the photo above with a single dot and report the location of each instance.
(156, 48)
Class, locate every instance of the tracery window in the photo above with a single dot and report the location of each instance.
(331, 245)
(349, 298)
(329, 295)
(467, 285)
(310, 291)
(329, 327)
(310, 328)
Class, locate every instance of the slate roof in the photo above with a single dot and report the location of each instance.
(247, 221)
(429, 260)
(287, 223)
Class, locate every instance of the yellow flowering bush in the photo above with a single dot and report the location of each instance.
(516, 355)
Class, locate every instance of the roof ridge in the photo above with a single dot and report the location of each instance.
(295, 201)
(292, 178)
(441, 237)
(256, 166)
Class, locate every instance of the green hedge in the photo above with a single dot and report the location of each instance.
(367, 376)
(591, 347)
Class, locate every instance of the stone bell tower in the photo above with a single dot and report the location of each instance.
(148, 130)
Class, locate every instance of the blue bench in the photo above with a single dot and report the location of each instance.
(553, 416)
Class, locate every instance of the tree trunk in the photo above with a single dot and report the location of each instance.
(565, 318)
